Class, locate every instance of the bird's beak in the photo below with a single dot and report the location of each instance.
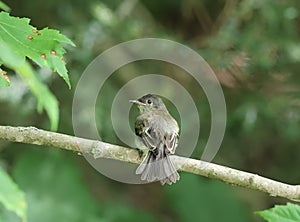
(136, 102)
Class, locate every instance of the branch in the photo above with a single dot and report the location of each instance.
(100, 149)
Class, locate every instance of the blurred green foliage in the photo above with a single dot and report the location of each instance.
(253, 47)
(196, 197)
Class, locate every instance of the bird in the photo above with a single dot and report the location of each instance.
(157, 134)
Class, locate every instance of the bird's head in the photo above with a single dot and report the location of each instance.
(149, 103)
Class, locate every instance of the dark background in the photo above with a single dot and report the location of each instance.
(254, 48)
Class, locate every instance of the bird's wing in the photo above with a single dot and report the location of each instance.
(171, 141)
(155, 131)
(168, 132)
(146, 133)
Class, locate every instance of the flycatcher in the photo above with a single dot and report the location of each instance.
(157, 133)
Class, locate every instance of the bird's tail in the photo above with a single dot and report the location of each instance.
(158, 167)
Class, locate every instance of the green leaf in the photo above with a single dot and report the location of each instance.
(4, 80)
(4, 6)
(45, 99)
(18, 41)
(11, 196)
(43, 47)
(281, 213)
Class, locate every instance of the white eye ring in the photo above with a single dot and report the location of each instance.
(149, 101)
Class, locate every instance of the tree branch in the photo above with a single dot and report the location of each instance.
(100, 149)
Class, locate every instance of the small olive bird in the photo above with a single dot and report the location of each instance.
(157, 133)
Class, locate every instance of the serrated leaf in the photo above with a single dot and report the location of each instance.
(43, 47)
(45, 99)
(281, 213)
(11, 196)
(4, 80)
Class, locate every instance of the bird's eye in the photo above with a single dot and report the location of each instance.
(149, 101)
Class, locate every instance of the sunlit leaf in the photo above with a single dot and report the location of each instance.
(45, 99)
(43, 47)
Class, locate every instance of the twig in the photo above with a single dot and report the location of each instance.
(100, 149)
